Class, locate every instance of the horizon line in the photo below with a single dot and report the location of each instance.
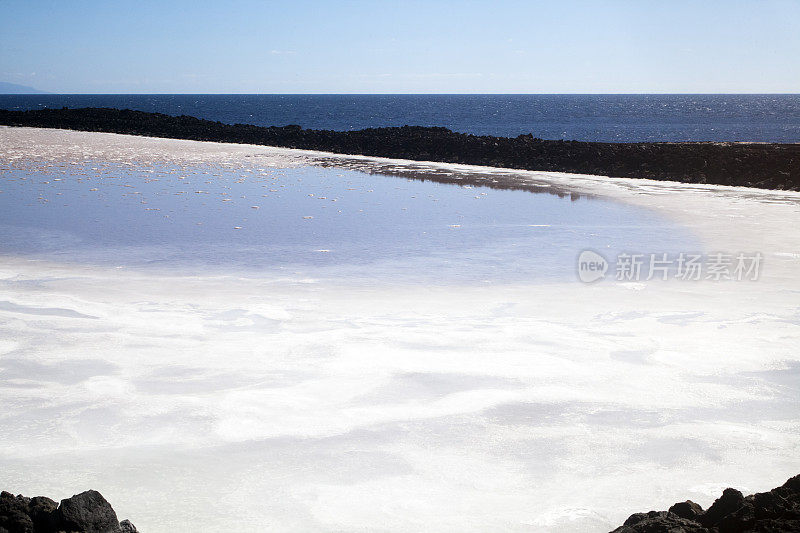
(43, 93)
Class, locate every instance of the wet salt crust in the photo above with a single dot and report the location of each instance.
(303, 400)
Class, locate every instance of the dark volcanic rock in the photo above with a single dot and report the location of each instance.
(776, 511)
(688, 510)
(730, 502)
(764, 165)
(42, 513)
(659, 522)
(14, 516)
(87, 512)
(127, 527)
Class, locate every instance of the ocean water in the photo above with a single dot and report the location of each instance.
(624, 118)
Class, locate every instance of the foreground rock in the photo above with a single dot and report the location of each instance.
(764, 165)
(87, 512)
(776, 511)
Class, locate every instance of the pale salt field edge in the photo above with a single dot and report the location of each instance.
(520, 406)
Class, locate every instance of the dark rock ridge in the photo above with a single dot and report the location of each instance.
(87, 512)
(776, 511)
(765, 165)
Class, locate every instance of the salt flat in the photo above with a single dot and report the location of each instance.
(295, 399)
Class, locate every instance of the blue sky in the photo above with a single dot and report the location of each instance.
(376, 46)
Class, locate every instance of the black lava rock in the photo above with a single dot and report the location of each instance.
(127, 527)
(42, 513)
(688, 510)
(776, 511)
(87, 512)
(659, 522)
(14, 516)
(730, 502)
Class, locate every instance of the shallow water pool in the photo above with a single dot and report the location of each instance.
(311, 221)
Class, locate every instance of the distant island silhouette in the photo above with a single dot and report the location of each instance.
(14, 88)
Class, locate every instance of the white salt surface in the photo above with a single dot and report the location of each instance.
(281, 404)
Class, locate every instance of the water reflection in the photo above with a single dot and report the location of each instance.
(503, 179)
